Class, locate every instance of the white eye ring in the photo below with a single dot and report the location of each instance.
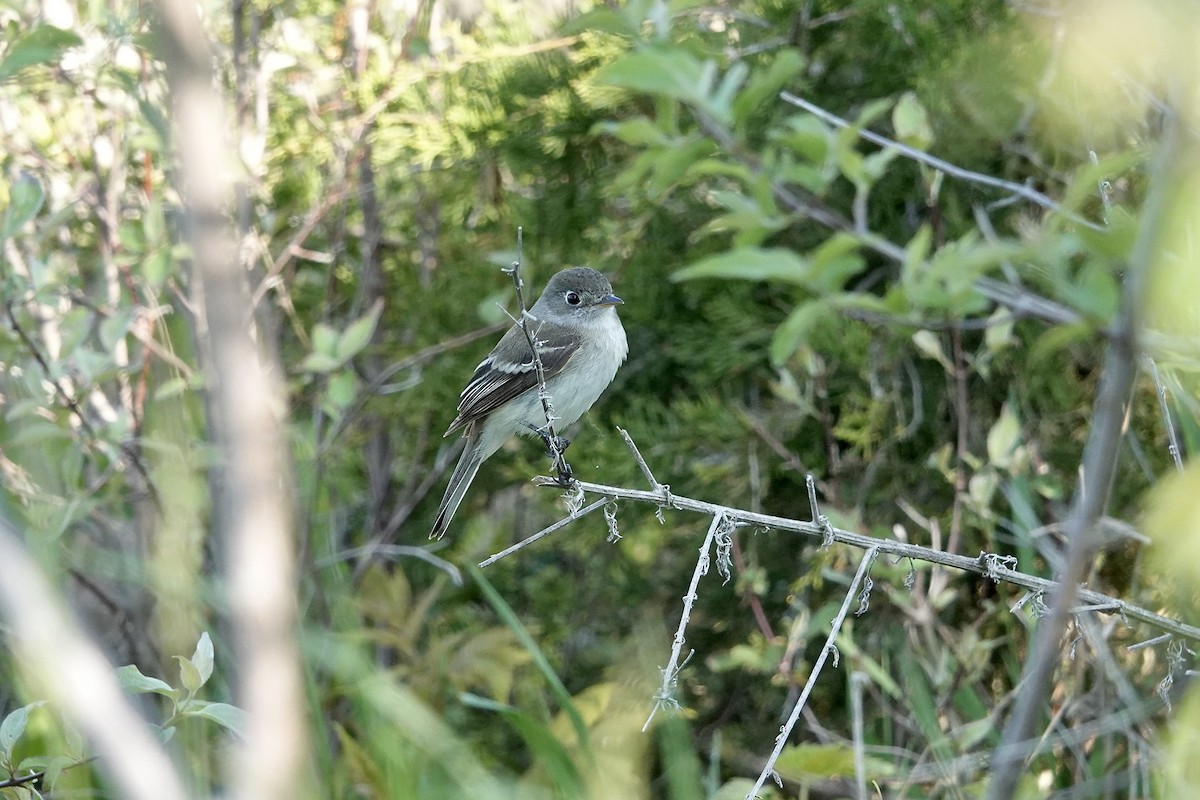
(572, 298)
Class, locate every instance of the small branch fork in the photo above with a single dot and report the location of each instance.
(555, 444)
(987, 564)
(725, 520)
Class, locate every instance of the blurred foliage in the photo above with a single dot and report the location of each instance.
(797, 301)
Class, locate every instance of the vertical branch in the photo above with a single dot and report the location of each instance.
(246, 404)
(379, 453)
(786, 731)
(857, 681)
(1099, 466)
(553, 442)
(670, 673)
(80, 681)
(1172, 437)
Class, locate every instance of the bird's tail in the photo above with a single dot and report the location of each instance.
(464, 473)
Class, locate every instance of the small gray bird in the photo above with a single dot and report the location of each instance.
(581, 343)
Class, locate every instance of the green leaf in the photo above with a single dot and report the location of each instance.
(720, 104)
(872, 111)
(13, 727)
(751, 264)
(875, 164)
(923, 708)
(639, 131)
(25, 198)
(673, 162)
(929, 344)
(795, 329)
(835, 261)
(341, 391)
(324, 340)
(319, 362)
(682, 769)
(156, 266)
(850, 161)
(1003, 438)
(189, 676)
(998, 334)
(358, 334)
(51, 766)
(915, 253)
(807, 136)
(765, 84)
(670, 73)
(45, 44)
(227, 716)
(202, 659)
(804, 762)
(114, 329)
(911, 123)
(1087, 180)
(602, 20)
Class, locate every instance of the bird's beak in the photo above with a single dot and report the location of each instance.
(610, 300)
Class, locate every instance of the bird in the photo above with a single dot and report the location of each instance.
(581, 344)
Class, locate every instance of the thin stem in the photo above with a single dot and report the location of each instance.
(786, 730)
(562, 523)
(984, 564)
(1099, 466)
(1172, 438)
(670, 673)
(928, 160)
(552, 440)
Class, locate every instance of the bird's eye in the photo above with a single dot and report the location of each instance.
(572, 299)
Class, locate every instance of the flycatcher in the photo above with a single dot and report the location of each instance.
(580, 342)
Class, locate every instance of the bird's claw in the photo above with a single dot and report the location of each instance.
(555, 447)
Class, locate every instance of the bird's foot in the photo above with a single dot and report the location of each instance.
(555, 447)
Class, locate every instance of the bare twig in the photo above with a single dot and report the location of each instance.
(395, 550)
(1099, 465)
(670, 673)
(819, 520)
(954, 171)
(1172, 437)
(786, 730)
(857, 681)
(553, 443)
(986, 564)
(641, 462)
(562, 523)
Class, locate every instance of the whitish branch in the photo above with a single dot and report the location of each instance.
(953, 170)
(999, 568)
(670, 673)
(1099, 466)
(786, 730)
(246, 405)
(553, 443)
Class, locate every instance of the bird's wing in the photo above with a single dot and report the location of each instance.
(508, 371)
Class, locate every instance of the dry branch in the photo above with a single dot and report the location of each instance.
(781, 740)
(246, 407)
(998, 568)
(1099, 465)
